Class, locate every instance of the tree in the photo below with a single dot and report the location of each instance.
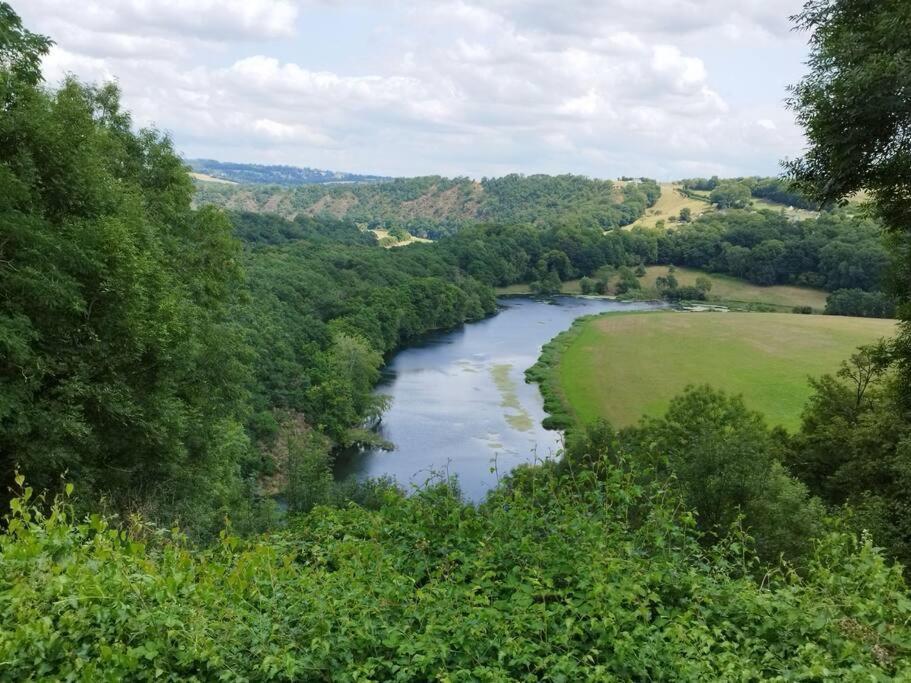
(549, 284)
(854, 448)
(628, 281)
(119, 362)
(703, 284)
(686, 214)
(855, 108)
(856, 302)
(21, 52)
(722, 456)
(586, 285)
(666, 283)
(731, 195)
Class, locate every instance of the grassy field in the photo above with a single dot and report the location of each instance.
(790, 211)
(211, 179)
(623, 366)
(668, 205)
(387, 240)
(569, 287)
(732, 290)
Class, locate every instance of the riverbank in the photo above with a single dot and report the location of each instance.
(727, 291)
(459, 402)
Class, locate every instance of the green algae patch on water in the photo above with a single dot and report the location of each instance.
(518, 419)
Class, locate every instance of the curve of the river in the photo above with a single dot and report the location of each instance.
(460, 404)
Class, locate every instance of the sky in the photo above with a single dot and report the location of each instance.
(660, 88)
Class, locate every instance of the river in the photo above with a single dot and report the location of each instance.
(460, 404)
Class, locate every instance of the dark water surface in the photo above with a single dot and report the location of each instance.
(460, 404)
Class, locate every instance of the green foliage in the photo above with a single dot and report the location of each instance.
(853, 105)
(854, 108)
(838, 250)
(857, 302)
(593, 573)
(120, 362)
(434, 206)
(322, 310)
(781, 192)
(853, 448)
(731, 195)
(701, 184)
(548, 285)
(721, 455)
(628, 282)
(20, 55)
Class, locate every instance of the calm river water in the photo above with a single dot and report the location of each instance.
(460, 404)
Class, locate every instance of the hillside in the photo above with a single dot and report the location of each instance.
(212, 170)
(669, 205)
(432, 206)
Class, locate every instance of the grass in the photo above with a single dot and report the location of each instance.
(386, 240)
(668, 206)
(211, 179)
(731, 290)
(790, 211)
(569, 287)
(623, 366)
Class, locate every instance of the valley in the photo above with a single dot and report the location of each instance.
(266, 422)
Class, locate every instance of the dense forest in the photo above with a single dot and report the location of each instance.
(840, 251)
(162, 365)
(433, 206)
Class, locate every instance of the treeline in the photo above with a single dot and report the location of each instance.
(501, 255)
(433, 206)
(778, 190)
(276, 174)
(840, 252)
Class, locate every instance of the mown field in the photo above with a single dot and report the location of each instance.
(623, 366)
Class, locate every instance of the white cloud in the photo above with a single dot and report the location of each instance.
(464, 87)
(217, 20)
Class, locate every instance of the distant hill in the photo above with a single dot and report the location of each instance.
(433, 206)
(289, 176)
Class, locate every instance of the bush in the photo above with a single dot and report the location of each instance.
(593, 572)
